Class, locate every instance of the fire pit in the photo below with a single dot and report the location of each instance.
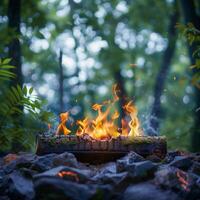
(100, 139)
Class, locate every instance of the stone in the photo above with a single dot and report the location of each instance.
(20, 187)
(198, 182)
(51, 188)
(46, 162)
(4, 185)
(65, 159)
(167, 178)
(176, 179)
(148, 191)
(43, 163)
(182, 162)
(4, 197)
(172, 154)
(104, 192)
(67, 173)
(138, 170)
(196, 168)
(132, 157)
(110, 178)
(16, 164)
(2, 174)
(20, 161)
(108, 168)
(9, 157)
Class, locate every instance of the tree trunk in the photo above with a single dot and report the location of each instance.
(14, 52)
(122, 93)
(190, 16)
(162, 75)
(61, 79)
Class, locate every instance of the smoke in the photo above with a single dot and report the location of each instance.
(146, 125)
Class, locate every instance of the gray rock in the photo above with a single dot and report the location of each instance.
(4, 197)
(196, 168)
(129, 159)
(148, 191)
(2, 174)
(171, 155)
(43, 163)
(138, 170)
(182, 162)
(20, 187)
(108, 168)
(4, 185)
(167, 178)
(65, 159)
(173, 178)
(110, 178)
(142, 168)
(22, 161)
(133, 157)
(51, 188)
(198, 182)
(49, 161)
(78, 175)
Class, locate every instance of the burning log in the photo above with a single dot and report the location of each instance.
(101, 151)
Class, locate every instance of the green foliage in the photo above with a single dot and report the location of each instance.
(5, 73)
(16, 104)
(192, 35)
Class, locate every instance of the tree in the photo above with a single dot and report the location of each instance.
(191, 16)
(156, 111)
(61, 79)
(14, 18)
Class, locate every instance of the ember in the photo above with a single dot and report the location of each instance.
(64, 174)
(182, 177)
(104, 126)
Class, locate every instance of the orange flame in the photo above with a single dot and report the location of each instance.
(62, 126)
(134, 124)
(99, 128)
(104, 125)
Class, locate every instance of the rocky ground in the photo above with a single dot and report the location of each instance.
(62, 177)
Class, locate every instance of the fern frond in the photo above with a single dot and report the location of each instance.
(5, 73)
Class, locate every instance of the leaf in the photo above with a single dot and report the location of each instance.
(6, 61)
(31, 90)
(17, 95)
(11, 97)
(17, 110)
(40, 35)
(7, 67)
(37, 104)
(6, 73)
(19, 89)
(25, 90)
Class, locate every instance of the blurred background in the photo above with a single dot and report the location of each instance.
(72, 52)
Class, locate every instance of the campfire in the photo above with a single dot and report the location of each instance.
(103, 135)
(104, 126)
